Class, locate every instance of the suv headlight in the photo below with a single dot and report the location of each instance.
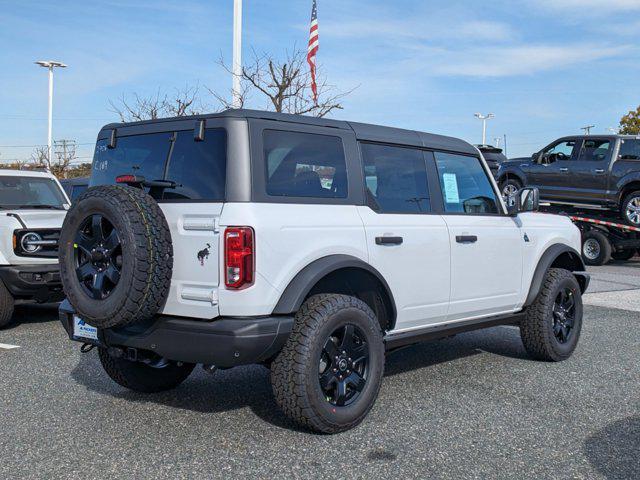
(31, 242)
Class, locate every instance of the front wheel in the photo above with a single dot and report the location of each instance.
(552, 324)
(142, 377)
(509, 189)
(6, 305)
(327, 376)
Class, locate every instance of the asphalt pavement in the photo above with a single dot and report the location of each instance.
(471, 406)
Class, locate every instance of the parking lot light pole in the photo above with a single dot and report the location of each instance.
(237, 53)
(484, 119)
(50, 65)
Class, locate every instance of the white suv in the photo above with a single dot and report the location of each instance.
(309, 245)
(32, 208)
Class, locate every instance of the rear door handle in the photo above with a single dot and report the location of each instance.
(564, 170)
(466, 238)
(388, 240)
(599, 170)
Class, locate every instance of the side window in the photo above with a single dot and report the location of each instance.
(304, 165)
(77, 191)
(396, 178)
(594, 150)
(629, 150)
(198, 168)
(465, 185)
(558, 151)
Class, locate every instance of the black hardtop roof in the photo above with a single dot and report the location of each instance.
(609, 136)
(363, 131)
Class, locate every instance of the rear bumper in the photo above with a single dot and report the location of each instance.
(38, 282)
(224, 342)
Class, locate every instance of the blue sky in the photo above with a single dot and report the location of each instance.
(543, 67)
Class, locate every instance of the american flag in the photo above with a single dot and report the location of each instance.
(312, 51)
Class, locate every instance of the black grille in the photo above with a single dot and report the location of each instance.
(46, 235)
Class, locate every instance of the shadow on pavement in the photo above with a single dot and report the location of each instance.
(614, 451)
(249, 386)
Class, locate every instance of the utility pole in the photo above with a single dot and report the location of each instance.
(505, 145)
(65, 151)
(237, 53)
(484, 119)
(50, 65)
(587, 129)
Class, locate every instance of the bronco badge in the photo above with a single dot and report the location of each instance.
(204, 254)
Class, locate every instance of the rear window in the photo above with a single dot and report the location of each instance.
(304, 165)
(197, 167)
(630, 150)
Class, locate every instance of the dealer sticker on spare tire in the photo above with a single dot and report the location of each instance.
(84, 330)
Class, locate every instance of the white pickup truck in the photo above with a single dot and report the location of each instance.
(32, 208)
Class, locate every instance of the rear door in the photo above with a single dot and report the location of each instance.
(192, 208)
(486, 245)
(408, 243)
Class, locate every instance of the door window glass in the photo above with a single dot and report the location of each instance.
(396, 179)
(559, 151)
(465, 185)
(630, 150)
(594, 150)
(304, 165)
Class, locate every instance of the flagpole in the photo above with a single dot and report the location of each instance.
(237, 53)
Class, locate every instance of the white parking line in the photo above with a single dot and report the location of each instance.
(6, 346)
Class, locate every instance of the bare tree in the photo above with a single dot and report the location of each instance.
(40, 157)
(182, 102)
(286, 84)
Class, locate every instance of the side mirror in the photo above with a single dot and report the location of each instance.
(526, 200)
(535, 156)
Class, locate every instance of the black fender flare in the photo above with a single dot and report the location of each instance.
(549, 256)
(512, 172)
(624, 182)
(294, 294)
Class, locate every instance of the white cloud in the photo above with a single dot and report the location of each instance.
(497, 61)
(583, 6)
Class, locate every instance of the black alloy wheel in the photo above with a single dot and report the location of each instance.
(98, 256)
(344, 365)
(564, 311)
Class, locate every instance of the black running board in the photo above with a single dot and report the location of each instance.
(443, 330)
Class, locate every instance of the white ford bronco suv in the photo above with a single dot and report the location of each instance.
(32, 208)
(309, 245)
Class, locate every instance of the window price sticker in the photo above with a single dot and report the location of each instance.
(450, 182)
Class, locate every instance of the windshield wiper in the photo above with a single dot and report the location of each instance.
(50, 207)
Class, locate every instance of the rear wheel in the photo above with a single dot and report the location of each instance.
(630, 209)
(328, 374)
(623, 255)
(552, 325)
(6, 305)
(155, 376)
(596, 248)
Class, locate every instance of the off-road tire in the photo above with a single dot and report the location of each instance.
(147, 256)
(604, 245)
(294, 372)
(6, 305)
(140, 377)
(536, 330)
(623, 255)
(623, 208)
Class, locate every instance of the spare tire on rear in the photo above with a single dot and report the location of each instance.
(116, 257)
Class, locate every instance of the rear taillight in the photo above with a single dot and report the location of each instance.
(238, 257)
